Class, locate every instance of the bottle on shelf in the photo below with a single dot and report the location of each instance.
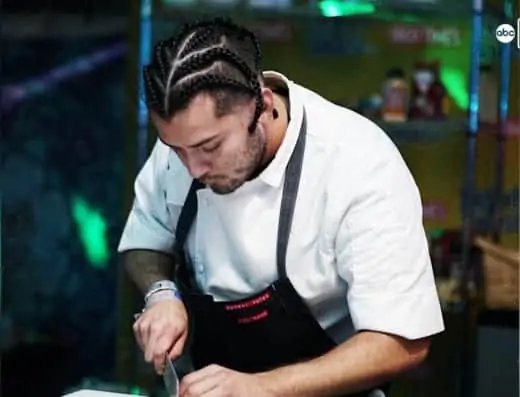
(428, 96)
(395, 96)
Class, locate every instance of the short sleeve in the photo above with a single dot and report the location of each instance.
(149, 225)
(382, 251)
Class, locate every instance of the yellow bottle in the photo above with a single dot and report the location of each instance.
(395, 96)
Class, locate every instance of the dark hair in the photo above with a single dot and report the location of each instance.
(214, 56)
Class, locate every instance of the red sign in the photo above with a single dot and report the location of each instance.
(434, 211)
(512, 129)
(424, 35)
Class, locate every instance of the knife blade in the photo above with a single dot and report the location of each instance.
(171, 380)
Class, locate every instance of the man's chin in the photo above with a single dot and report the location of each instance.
(223, 189)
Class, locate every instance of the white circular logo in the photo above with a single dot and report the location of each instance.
(505, 33)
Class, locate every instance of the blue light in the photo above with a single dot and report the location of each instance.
(475, 71)
(145, 45)
(505, 66)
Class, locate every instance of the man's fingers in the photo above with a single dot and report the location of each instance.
(160, 353)
(153, 342)
(135, 328)
(178, 347)
(159, 329)
(205, 387)
(158, 343)
(141, 328)
(201, 383)
(209, 371)
(159, 363)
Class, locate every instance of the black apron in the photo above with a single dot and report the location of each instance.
(267, 330)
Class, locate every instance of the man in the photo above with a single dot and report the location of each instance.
(291, 227)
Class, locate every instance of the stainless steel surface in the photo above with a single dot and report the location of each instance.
(171, 380)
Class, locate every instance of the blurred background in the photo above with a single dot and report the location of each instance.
(75, 133)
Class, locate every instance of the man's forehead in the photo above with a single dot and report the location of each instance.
(201, 108)
(193, 125)
(199, 112)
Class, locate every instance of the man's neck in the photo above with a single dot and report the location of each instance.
(277, 129)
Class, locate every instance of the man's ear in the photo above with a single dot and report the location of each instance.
(268, 100)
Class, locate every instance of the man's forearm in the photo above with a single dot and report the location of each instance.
(147, 267)
(366, 360)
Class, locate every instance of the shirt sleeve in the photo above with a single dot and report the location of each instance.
(149, 225)
(382, 251)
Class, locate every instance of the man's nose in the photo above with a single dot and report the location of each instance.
(196, 167)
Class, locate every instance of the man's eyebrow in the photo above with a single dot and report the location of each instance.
(203, 142)
(195, 145)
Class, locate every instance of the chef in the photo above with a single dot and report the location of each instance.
(277, 238)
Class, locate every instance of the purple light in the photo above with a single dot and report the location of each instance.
(15, 93)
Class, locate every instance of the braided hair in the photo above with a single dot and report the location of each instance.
(214, 56)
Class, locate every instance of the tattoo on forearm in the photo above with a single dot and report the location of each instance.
(146, 267)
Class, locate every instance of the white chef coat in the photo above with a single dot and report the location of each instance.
(357, 253)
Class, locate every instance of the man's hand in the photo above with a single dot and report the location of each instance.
(161, 330)
(217, 381)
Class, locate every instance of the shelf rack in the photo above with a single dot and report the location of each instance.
(420, 131)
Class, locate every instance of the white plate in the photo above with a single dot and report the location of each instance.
(96, 393)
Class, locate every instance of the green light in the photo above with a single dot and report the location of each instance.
(135, 391)
(436, 233)
(455, 82)
(92, 230)
(453, 72)
(337, 8)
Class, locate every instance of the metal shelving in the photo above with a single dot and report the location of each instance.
(422, 131)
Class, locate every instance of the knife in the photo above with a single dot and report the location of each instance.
(171, 380)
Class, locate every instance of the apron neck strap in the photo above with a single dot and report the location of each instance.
(187, 216)
(290, 193)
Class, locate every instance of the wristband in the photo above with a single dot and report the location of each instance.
(160, 286)
(166, 294)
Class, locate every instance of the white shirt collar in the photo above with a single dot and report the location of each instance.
(275, 171)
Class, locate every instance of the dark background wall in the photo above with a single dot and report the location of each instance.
(61, 181)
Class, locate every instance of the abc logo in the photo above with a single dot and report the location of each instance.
(505, 33)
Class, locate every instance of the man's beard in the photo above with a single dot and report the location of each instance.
(248, 161)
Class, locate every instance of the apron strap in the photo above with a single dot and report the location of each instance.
(187, 216)
(289, 196)
(184, 275)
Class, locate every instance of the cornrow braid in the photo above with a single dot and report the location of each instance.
(214, 56)
(205, 58)
(224, 24)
